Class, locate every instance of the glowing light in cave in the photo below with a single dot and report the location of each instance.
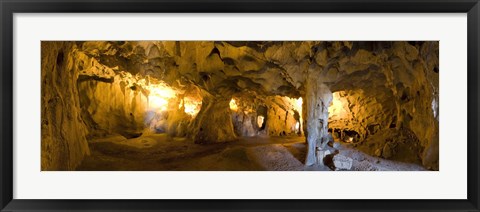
(336, 107)
(260, 120)
(181, 104)
(298, 104)
(158, 93)
(192, 106)
(159, 96)
(233, 105)
(158, 103)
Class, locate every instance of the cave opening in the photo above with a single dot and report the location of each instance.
(262, 115)
(221, 105)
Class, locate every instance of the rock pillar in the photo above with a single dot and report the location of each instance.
(214, 121)
(315, 110)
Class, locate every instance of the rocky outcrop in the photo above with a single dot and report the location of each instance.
(214, 122)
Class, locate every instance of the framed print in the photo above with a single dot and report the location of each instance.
(255, 106)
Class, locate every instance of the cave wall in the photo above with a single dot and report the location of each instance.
(245, 124)
(122, 106)
(175, 122)
(414, 81)
(63, 132)
(362, 112)
(282, 116)
(408, 70)
(113, 107)
(244, 116)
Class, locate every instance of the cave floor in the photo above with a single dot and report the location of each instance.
(159, 152)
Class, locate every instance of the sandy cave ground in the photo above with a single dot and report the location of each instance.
(159, 152)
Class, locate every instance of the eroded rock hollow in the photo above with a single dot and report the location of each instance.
(262, 105)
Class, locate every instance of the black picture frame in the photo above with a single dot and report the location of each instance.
(9, 7)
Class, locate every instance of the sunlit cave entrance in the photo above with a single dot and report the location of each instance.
(240, 106)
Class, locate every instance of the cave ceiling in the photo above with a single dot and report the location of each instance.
(227, 68)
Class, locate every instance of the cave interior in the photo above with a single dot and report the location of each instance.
(240, 105)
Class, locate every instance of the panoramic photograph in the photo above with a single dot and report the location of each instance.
(239, 105)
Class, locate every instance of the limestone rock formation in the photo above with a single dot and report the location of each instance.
(184, 88)
(213, 122)
(317, 99)
(64, 133)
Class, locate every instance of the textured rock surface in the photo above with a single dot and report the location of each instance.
(362, 112)
(96, 88)
(110, 108)
(283, 115)
(342, 163)
(315, 106)
(64, 141)
(214, 122)
(279, 115)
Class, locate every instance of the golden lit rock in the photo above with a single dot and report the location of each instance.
(260, 120)
(233, 105)
(381, 98)
(192, 106)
